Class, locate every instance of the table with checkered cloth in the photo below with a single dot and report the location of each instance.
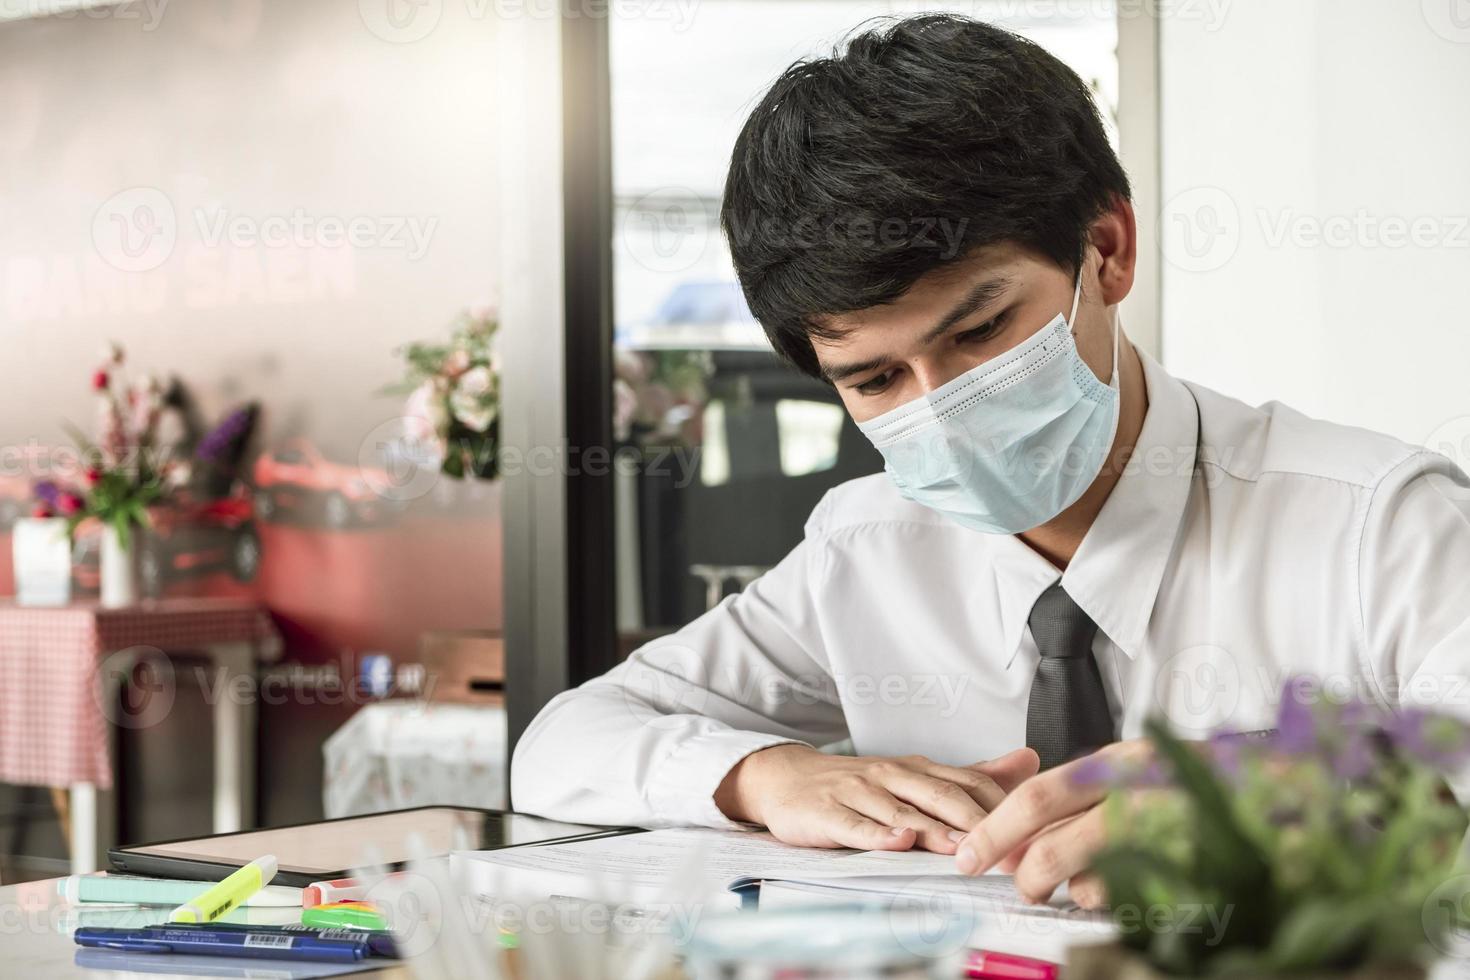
(53, 731)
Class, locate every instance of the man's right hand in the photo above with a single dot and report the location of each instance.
(871, 803)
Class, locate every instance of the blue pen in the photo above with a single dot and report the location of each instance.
(379, 943)
(224, 942)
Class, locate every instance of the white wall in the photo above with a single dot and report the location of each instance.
(1316, 208)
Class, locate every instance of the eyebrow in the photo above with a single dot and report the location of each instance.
(982, 294)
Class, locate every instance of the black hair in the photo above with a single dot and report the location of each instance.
(926, 138)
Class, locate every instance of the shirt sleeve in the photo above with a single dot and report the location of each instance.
(1413, 565)
(649, 742)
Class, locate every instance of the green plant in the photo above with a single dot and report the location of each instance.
(120, 500)
(1316, 848)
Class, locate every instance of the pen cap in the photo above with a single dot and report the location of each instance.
(268, 867)
(326, 892)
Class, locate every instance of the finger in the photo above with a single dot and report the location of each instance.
(887, 809)
(1088, 891)
(1011, 769)
(1058, 854)
(941, 799)
(1133, 802)
(846, 827)
(1033, 806)
(1007, 865)
(982, 788)
(1011, 861)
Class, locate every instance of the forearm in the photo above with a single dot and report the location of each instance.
(650, 742)
(611, 752)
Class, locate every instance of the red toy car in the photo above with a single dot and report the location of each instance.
(296, 476)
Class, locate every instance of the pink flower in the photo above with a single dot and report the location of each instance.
(70, 503)
(424, 414)
(41, 511)
(112, 440)
(457, 363)
(472, 401)
(94, 476)
(100, 380)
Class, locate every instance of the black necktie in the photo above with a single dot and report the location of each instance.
(1067, 715)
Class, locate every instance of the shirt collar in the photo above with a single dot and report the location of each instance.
(1116, 573)
(1021, 575)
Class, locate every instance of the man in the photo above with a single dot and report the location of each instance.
(1067, 540)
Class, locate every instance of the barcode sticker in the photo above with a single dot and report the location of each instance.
(274, 942)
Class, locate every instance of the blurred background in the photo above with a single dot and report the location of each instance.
(429, 301)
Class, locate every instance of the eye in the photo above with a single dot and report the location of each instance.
(985, 331)
(875, 385)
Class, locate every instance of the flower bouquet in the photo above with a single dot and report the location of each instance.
(1329, 847)
(128, 468)
(454, 391)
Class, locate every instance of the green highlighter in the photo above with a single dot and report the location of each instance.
(344, 915)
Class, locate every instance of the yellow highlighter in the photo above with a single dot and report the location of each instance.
(229, 893)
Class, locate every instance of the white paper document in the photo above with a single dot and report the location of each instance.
(705, 865)
(658, 866)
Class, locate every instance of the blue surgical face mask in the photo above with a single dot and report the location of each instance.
(1009, 445)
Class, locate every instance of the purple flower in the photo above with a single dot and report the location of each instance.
(214, 446)
(1225, 751)
(1357, 714)
(1432, 739)
(1094, 770)
(1296, 728)
(1354, 757)
(48, 493)
(1153, 774)
(1406, 729)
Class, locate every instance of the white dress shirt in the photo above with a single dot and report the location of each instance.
(1241, 546)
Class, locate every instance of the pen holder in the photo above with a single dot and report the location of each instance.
(1114, 961)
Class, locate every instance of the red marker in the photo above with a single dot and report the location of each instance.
(983, 965)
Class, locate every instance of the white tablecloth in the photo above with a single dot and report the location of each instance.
(397, 754)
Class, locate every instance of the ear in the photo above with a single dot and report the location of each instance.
(1115, 237)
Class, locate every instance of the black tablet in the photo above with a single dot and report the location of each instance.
(330, 849)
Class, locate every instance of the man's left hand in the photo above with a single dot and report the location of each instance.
(1048, 830)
